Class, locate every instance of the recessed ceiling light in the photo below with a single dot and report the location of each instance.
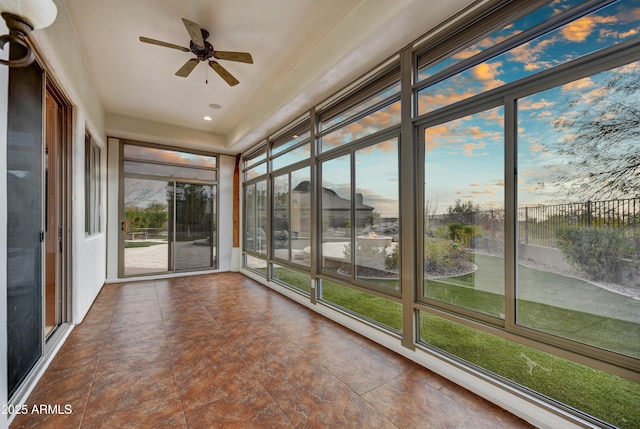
(215, 106)
(207, 118)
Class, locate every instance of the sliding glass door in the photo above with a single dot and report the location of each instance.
(25, 231)
(193, 229)
(145, 229)
(168, 224)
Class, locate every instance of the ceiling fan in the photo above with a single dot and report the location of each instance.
(203, 51)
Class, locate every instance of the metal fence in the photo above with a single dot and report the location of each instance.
(538, 224)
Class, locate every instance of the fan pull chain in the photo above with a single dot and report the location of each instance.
(206, 75)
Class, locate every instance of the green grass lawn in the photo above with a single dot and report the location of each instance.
(600, 394)
(563, 319)
(133, 244)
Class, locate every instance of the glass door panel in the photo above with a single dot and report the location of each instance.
(194, 237)
(145, 228)
(25, 231)
(53, 218)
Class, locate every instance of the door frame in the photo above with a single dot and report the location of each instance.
(122, 176)
(53, 341)
(64, 206)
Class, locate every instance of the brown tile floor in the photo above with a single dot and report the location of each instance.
(222, 351)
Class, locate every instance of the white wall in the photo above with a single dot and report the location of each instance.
(61, 55)
(170, 135)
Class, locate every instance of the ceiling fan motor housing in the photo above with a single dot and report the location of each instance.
(202, 52)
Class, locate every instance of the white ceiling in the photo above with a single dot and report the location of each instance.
(303, 50)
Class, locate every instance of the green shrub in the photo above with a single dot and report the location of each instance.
(442, 256)
(393, 259)
(145, 218)
(594, 251)
(464, 235)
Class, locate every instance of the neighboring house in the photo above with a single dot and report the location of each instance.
(335, 208)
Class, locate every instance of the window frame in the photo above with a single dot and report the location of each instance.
(599, 61)
(431, 49)
(92, 186)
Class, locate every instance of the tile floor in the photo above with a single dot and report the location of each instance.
(222, 351)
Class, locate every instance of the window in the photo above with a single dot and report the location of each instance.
(92, 179)
(534, 181)
(360, 216)
(255, 231)
(255, 210)
(464, 213)
(170, 202)
(565, 30)
(579, 210)
(517, 152)
(292, 217)
(369, 110)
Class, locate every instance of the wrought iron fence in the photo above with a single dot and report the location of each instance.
(538, 224)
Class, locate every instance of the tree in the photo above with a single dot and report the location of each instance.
(603, 141)
(191, 207)
(462, 212)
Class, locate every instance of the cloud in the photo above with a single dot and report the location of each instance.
(378, 120)
(578, 84)
(469, 148)
(487, 74)
(436, 136)
(611, 34)
(531, 105)
(536, 148)
(629, 68)
(432, 100)
(529, 54)
(493, 115)
(467, 53)
(387, 146)
(580, 29)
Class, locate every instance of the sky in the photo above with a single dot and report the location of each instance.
(465, 157)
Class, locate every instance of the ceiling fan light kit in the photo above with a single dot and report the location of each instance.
(203, 51)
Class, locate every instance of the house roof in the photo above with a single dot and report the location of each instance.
(331, 200)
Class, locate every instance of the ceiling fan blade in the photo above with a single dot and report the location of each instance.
(187, 67)
(194, 32)
(161, 43)
(224, 74)
(242, 57)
